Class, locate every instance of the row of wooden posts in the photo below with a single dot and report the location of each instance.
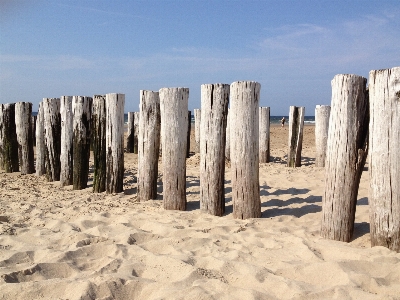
(358, 119)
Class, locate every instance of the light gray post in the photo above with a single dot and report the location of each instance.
(228, 136)
(66, 173)
(10, 143)
(136, 131)
(322, 113)
(174, 126)
(264, 115)
(188, 133)
(23, 123)
(245, 97)
(197, 126)
(130, 134)
(384, 158)
(296, 124)
(98, 140)
(345, 155)
(40, 143)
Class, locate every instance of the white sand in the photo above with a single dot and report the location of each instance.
(56, 243)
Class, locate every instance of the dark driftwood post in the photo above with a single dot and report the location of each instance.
(264, 114)
(98, 131)
(214, 107)
(66, 140)
(130, 134)
(245, 97)
(1, 135)
(33, 128)
(174, 126)
(384, 158)
(82, 109)
(149, 145)
(40, 142)
(345, 155)
(188, 133)
(197, 122)
(322, 113)
(228, 136)
(136, 132)
(296, 124)
(115, 142)
(23, 124)
(10, 143)
(52, 129)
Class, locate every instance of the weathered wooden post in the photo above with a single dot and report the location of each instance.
(98, 132)
(228, 136)
(40, 143)
(130, 134)
(264, 151)
(82, 110)
(52, 129)
(245, 97)
(149, 144)
(384, 158)
(115, 142)
(322, 113)
(345, 155)
(1, 135)
(174, 126)
(23, 124)
(197, 122)
(136, 132)
(296, 124)
(214, 107)
(188, 133)
(66, 173)
(10, 143)
(33, 128)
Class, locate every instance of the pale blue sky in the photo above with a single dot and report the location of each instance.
(293, 48)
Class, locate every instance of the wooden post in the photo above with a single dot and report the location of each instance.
(322, 113)
(245, 97)
(82, 110)
(40, 142)
(98, 131)
(345, 155)
(52, 129)
(23, 124)
(66, 161)
(264, 115)
(1, 135)
(384, 158)
(228, 136)
(149, 144)
(174, 126)
(136, 132)
(10, 143)
(214, 107)
(197, 122)
(130, 134)
(188, 133)
(296, 124)
(33, 128)
(115, 142)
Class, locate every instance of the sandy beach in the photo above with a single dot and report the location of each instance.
(57, 243)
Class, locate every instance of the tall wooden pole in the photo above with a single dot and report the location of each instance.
(136, 131)
(264, 151)
(82, 109)
(10, 143)
(40, 143)
(33, 128)
(245, 97)
(197, 122)
(188, 133)
(98, 140)
(174, 126)
(149, 144)
(345, 156)
(66, 161)
(115, 142)
(130, 134)
(23, 123)
(214, 107)
(1, 135)
(384, 158)
(228, 136)
(296, 124)
(322, 113)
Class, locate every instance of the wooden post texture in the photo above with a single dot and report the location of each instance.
(149, 144)
(33, 128)
(228, 136)
(264, 115)
(197, 122)
(214, 107)
(384, 158)
(23, 124)
(66, 113)
(245, 97)
(10, 143)
(174, 126)
(130, 134)
(115, 142)
(136, 131)
(1, 135)
(98, 131)
(322, 113)
(296, 124)
(188, 133)
(40, 142)
(345, 155)
(82, 110)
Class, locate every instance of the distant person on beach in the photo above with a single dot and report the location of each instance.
(283, 121)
